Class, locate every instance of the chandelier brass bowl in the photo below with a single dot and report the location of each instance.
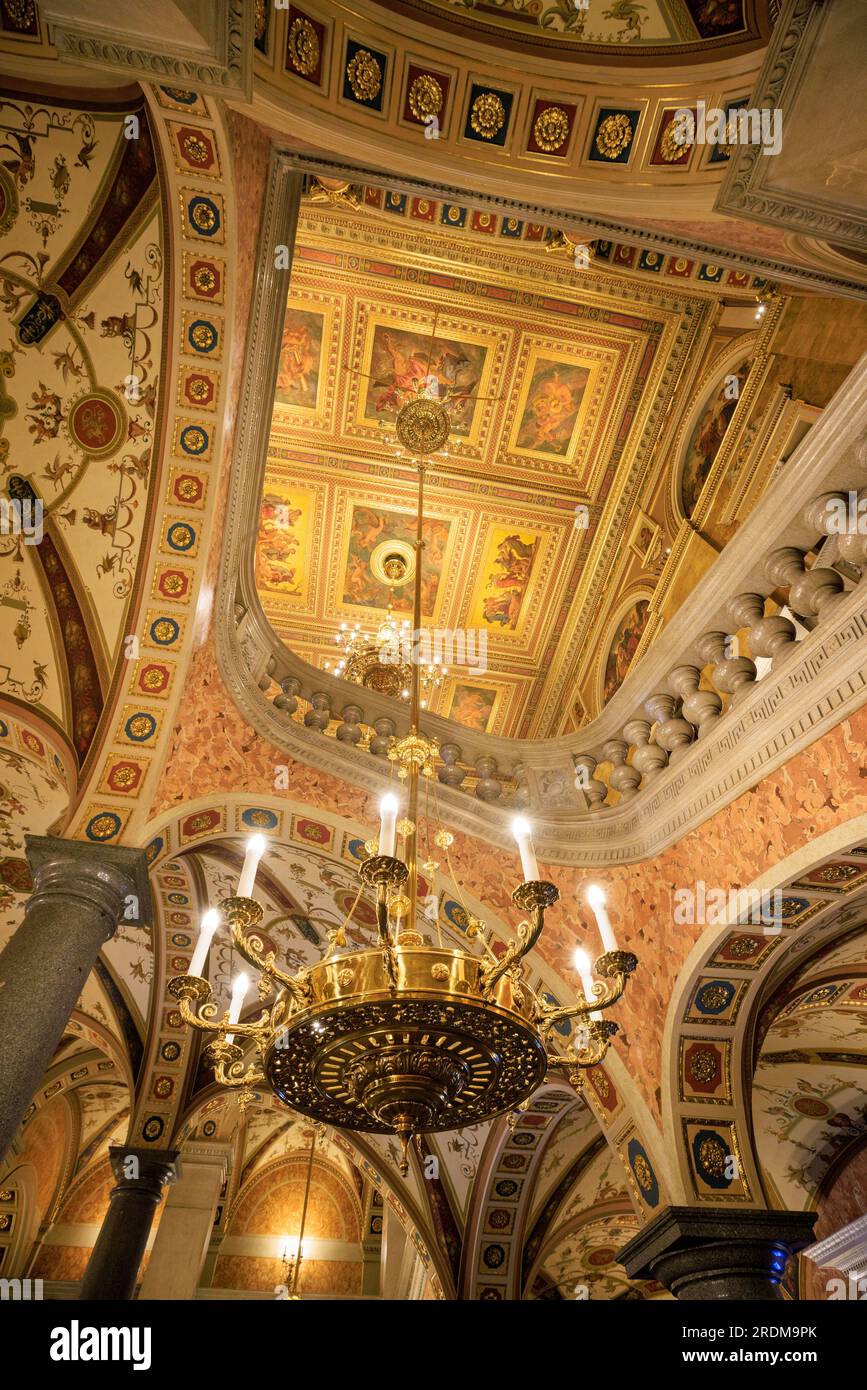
(422, 425)
(404, 1042)
(402, 1037)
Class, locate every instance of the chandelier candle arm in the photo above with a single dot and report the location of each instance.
(243, 913)
(533, 897)
(210, 922)
(387, 824)
(255, 850)
(596, 899)
(582, 965)
(401, 1037)
(522, 832)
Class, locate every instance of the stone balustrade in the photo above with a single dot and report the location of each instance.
(782, 582)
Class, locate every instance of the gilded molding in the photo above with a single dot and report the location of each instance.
(744, 191)
(227, 71)
(822, 681)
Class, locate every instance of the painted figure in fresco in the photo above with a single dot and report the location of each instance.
(629, 633)
(472, 707)
(404, 373)
(298, 357)
(404, 364)
(515, 558)
(551, 409)
(713, 17)
(705, 441)
(627, 13)
(369, 529)
(277, 543)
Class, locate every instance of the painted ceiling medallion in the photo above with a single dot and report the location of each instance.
(614, 135)
(365, 75)
(551, 128)
(303, 47)
(425, 96)
(422, 426)
(487, 115)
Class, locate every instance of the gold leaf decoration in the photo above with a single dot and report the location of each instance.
(614, 135)
(425, 96)
(670, 148)
(487, 115)
(303, 46)
(551, 128)
(365, 75)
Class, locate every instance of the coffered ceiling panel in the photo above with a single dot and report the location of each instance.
(557, 379)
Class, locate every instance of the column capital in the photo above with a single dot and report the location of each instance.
(717, 1252)
(114, 876)
(143, 1170)
(217, 1155)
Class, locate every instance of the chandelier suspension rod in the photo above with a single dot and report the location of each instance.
(415, 702)
(297, 1268)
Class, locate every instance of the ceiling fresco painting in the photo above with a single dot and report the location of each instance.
(551, 383)
(80, 228)
(622, 394)
(605, 24)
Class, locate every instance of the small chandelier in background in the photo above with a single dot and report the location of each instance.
(383, 660)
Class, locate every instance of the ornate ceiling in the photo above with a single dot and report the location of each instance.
(810, 1086)
(580, 367)
(81, 275)
(562, 377)
(617, 27)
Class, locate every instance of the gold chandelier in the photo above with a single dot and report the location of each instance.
(403, 1037)
(383, 660)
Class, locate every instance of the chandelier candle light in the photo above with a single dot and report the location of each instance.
(402, 1036)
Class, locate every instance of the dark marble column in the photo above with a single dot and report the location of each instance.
(114, 1262)
(81, 892)
(718, 1252)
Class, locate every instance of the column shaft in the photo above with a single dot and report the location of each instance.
(114, 1263)
(81, 893)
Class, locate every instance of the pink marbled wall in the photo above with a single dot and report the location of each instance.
(844, 1201)
(216, 752)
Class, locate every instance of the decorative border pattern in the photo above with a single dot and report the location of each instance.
(227, 71)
